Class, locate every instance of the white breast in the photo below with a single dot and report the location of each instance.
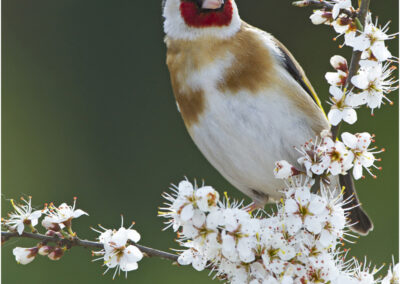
(244, 134)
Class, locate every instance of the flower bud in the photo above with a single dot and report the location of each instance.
(45, 250)
(56, 254)
(339, 63)
(25, 255)
(52, 233)
(301, 4)
(49, 224)
(284, 170)
(321, 17)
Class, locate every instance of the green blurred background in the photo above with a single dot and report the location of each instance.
(88, 111)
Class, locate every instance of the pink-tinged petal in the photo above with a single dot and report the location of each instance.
(78, 213)
(350, 115)
(350, 140)
(335, 116)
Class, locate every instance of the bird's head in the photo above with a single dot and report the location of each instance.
(191, 19)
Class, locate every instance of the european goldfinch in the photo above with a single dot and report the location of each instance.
(244, 99)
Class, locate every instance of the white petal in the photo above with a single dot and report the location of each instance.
(336, 92)
(333, 78)
(303, 195)
(35, 215)
(357, 171)
(78, 213)
(126, 267)
(317, 205)
(198, 218)
(186, 257)
(380, 51)
(20, 228)
(350, 115)
(367, 159)
(185, 188)
(313, 224)
(133, 235)
(360, 81)
(133, 254)
(293, 224)
(245, 248)
(187, 213)
(364, 140)
(34, 222)
(214, 219)
(350, 140)
(291, 206)
(361, 43)
(335, 116)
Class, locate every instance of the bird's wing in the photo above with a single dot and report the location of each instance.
(295, 70)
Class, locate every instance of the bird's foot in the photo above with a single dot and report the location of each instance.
(253, 206)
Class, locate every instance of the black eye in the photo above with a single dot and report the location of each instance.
(199, 3)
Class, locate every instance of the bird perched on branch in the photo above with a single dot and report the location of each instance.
(244, 99)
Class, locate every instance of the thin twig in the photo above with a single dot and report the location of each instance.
(76, 242)
(323, 4)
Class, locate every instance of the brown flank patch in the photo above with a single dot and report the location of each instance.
(250, 72)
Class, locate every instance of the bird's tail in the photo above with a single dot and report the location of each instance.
(359, 220)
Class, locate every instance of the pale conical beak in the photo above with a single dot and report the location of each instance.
(212, 4)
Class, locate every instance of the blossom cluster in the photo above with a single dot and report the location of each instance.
(325, 157)
(373, 80)
(119, 251)
(56, 218)
(296, 244)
